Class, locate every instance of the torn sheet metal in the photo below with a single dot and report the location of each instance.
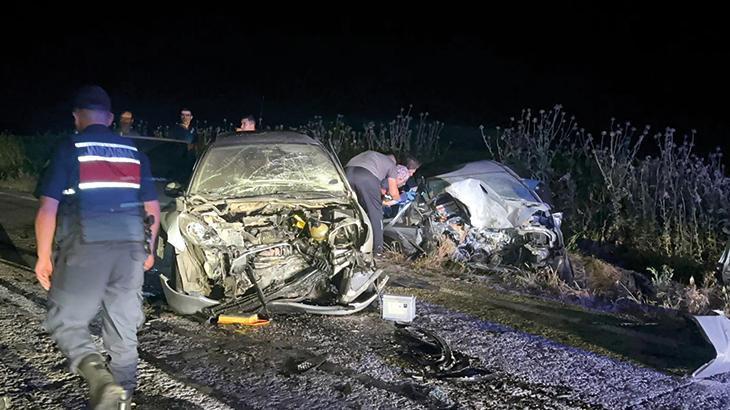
(484, 211)
(183, 303)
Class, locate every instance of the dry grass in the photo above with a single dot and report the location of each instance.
(405, 134)
(395, 254)
(22, 183)
(594, 279)
(538, 279)
(667, 208)
(697, 300)
(602, 278)
(438, 258)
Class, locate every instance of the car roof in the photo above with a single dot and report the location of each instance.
(475, 168)
(263, 137)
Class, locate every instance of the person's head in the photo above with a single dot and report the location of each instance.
(412, 163)
(126, 119)
(186, 116)
(248, 123)
(402, 175)
(92, 106)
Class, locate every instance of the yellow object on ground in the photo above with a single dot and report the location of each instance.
(252, 320)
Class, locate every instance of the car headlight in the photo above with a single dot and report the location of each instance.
(198, 231)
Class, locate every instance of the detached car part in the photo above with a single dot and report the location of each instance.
(716, 329)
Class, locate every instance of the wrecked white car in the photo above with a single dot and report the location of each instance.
(492, 217)
(268, 220)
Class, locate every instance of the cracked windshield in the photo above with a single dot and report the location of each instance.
(253, 170)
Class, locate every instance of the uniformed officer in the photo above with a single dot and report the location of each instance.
(94, 198)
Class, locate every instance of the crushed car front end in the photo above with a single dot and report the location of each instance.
(271, 219)
(492, 219)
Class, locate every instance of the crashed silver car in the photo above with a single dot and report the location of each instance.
(268, 220)
(491, 216)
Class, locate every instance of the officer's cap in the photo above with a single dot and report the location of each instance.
(92, 97)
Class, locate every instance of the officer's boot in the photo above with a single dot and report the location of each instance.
(104, 392)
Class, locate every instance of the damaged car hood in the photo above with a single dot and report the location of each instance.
(489, 210)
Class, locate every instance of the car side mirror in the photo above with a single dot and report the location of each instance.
(174, 189)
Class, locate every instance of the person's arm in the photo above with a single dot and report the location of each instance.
(45, 228)
(50, 192)
(152, 208)
(393, 189)
(148, 196)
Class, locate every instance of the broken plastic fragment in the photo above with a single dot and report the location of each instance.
(717, 331)
(298, 365)
(434, 356)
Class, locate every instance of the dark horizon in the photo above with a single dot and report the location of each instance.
(647, 66)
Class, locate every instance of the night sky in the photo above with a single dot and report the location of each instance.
(656, 66)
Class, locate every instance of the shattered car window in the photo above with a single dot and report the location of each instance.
(257, 169)
(502, 183)
(508, 187)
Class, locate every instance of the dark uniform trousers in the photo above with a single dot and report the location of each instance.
(87, 277)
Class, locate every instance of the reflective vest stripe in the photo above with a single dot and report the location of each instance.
(106, 152)
(90, 158)
(96, 185)
(108, 165)
(103, 144)
(101, 171)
